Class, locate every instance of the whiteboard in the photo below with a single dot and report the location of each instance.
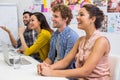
(8, 18)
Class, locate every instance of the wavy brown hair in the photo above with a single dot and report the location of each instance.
(65, 12)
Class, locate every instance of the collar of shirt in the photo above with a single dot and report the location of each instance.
(65, 31)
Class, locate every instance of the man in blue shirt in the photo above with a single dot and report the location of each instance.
(64, 37)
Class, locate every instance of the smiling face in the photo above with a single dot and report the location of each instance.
(83, 19)
(34, 23)
(58, 22)
(26, 19)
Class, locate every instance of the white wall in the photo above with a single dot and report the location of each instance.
(21, 4)
(8, 18)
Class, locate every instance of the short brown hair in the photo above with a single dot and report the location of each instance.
(65, 12)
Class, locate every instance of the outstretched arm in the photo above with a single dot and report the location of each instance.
(12, 39)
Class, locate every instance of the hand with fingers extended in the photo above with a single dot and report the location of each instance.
(5, 29)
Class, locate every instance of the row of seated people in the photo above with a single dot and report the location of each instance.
(63, 49)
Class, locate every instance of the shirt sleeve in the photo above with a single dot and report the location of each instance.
(18, 43)
(42, 39)
(70, 43)
(51, 54)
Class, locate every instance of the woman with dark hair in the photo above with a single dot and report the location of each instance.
(38, 23)
(90, 51)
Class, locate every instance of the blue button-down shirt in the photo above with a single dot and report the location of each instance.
(67, 39)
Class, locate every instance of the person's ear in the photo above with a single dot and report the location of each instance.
(93, 19)
(66, 19)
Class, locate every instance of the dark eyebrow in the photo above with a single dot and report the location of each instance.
(80, 13)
